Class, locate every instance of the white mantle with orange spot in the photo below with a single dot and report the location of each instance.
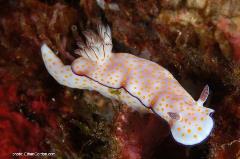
(140, 84)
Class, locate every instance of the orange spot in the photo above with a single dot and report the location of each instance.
(189, 131)
(199, 128)
(179, 129)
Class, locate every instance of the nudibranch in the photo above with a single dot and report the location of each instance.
(137, 82)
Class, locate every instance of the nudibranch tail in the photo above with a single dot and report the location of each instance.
(98, 48)
(60, 72)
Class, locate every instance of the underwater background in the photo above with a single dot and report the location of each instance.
(198, 41)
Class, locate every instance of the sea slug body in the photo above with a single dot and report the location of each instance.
(137, 82)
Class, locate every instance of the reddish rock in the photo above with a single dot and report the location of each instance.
(18, 134)
(231, 29)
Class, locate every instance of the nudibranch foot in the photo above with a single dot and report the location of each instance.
(137, 82)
